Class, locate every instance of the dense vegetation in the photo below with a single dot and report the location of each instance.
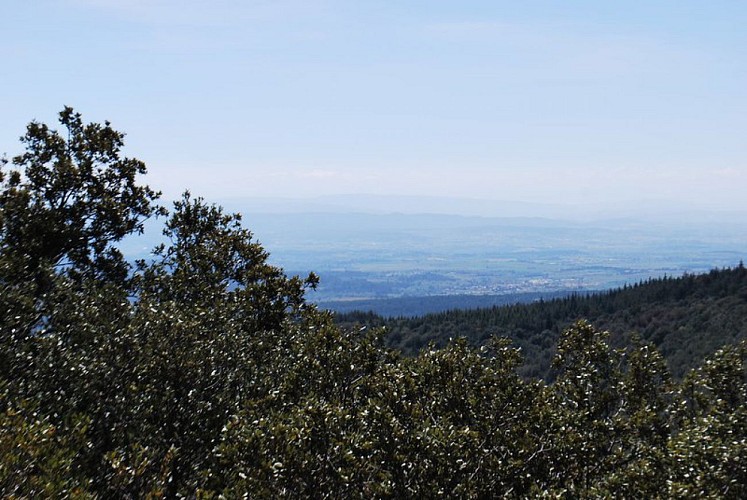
(411, 306)
(203, 372)
(686, 318)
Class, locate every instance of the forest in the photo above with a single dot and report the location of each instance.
(203, 372)
(685, 318)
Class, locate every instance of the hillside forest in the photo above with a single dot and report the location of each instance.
(686, 318)
(204, 372)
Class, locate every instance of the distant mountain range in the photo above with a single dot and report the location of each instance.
(645, 209)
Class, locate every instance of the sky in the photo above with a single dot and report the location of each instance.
(565, 102)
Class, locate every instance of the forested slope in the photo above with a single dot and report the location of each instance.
(685, 317)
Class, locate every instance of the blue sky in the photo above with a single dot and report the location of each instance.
(542, 101)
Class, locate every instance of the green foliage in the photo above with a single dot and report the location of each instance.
(63, 207)
(36, 460)
(71, 198)
(686, 318)
(204, 373)
(710, 451)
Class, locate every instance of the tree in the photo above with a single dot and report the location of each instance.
(69, 199)
(164, 353)
(210, 315)
(65, 203)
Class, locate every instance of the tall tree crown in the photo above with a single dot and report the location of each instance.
(70, 196)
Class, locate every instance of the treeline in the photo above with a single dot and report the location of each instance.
(203, 372)
(686, 318)
(422, 305)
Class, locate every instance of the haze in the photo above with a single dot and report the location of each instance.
(551, 102)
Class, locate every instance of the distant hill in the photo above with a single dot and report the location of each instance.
(687, 318)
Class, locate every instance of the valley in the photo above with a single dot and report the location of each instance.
(365, 257)
(409, 263)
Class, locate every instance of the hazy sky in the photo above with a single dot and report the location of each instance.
(556, 101)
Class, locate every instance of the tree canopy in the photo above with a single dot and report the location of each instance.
(204, 372)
